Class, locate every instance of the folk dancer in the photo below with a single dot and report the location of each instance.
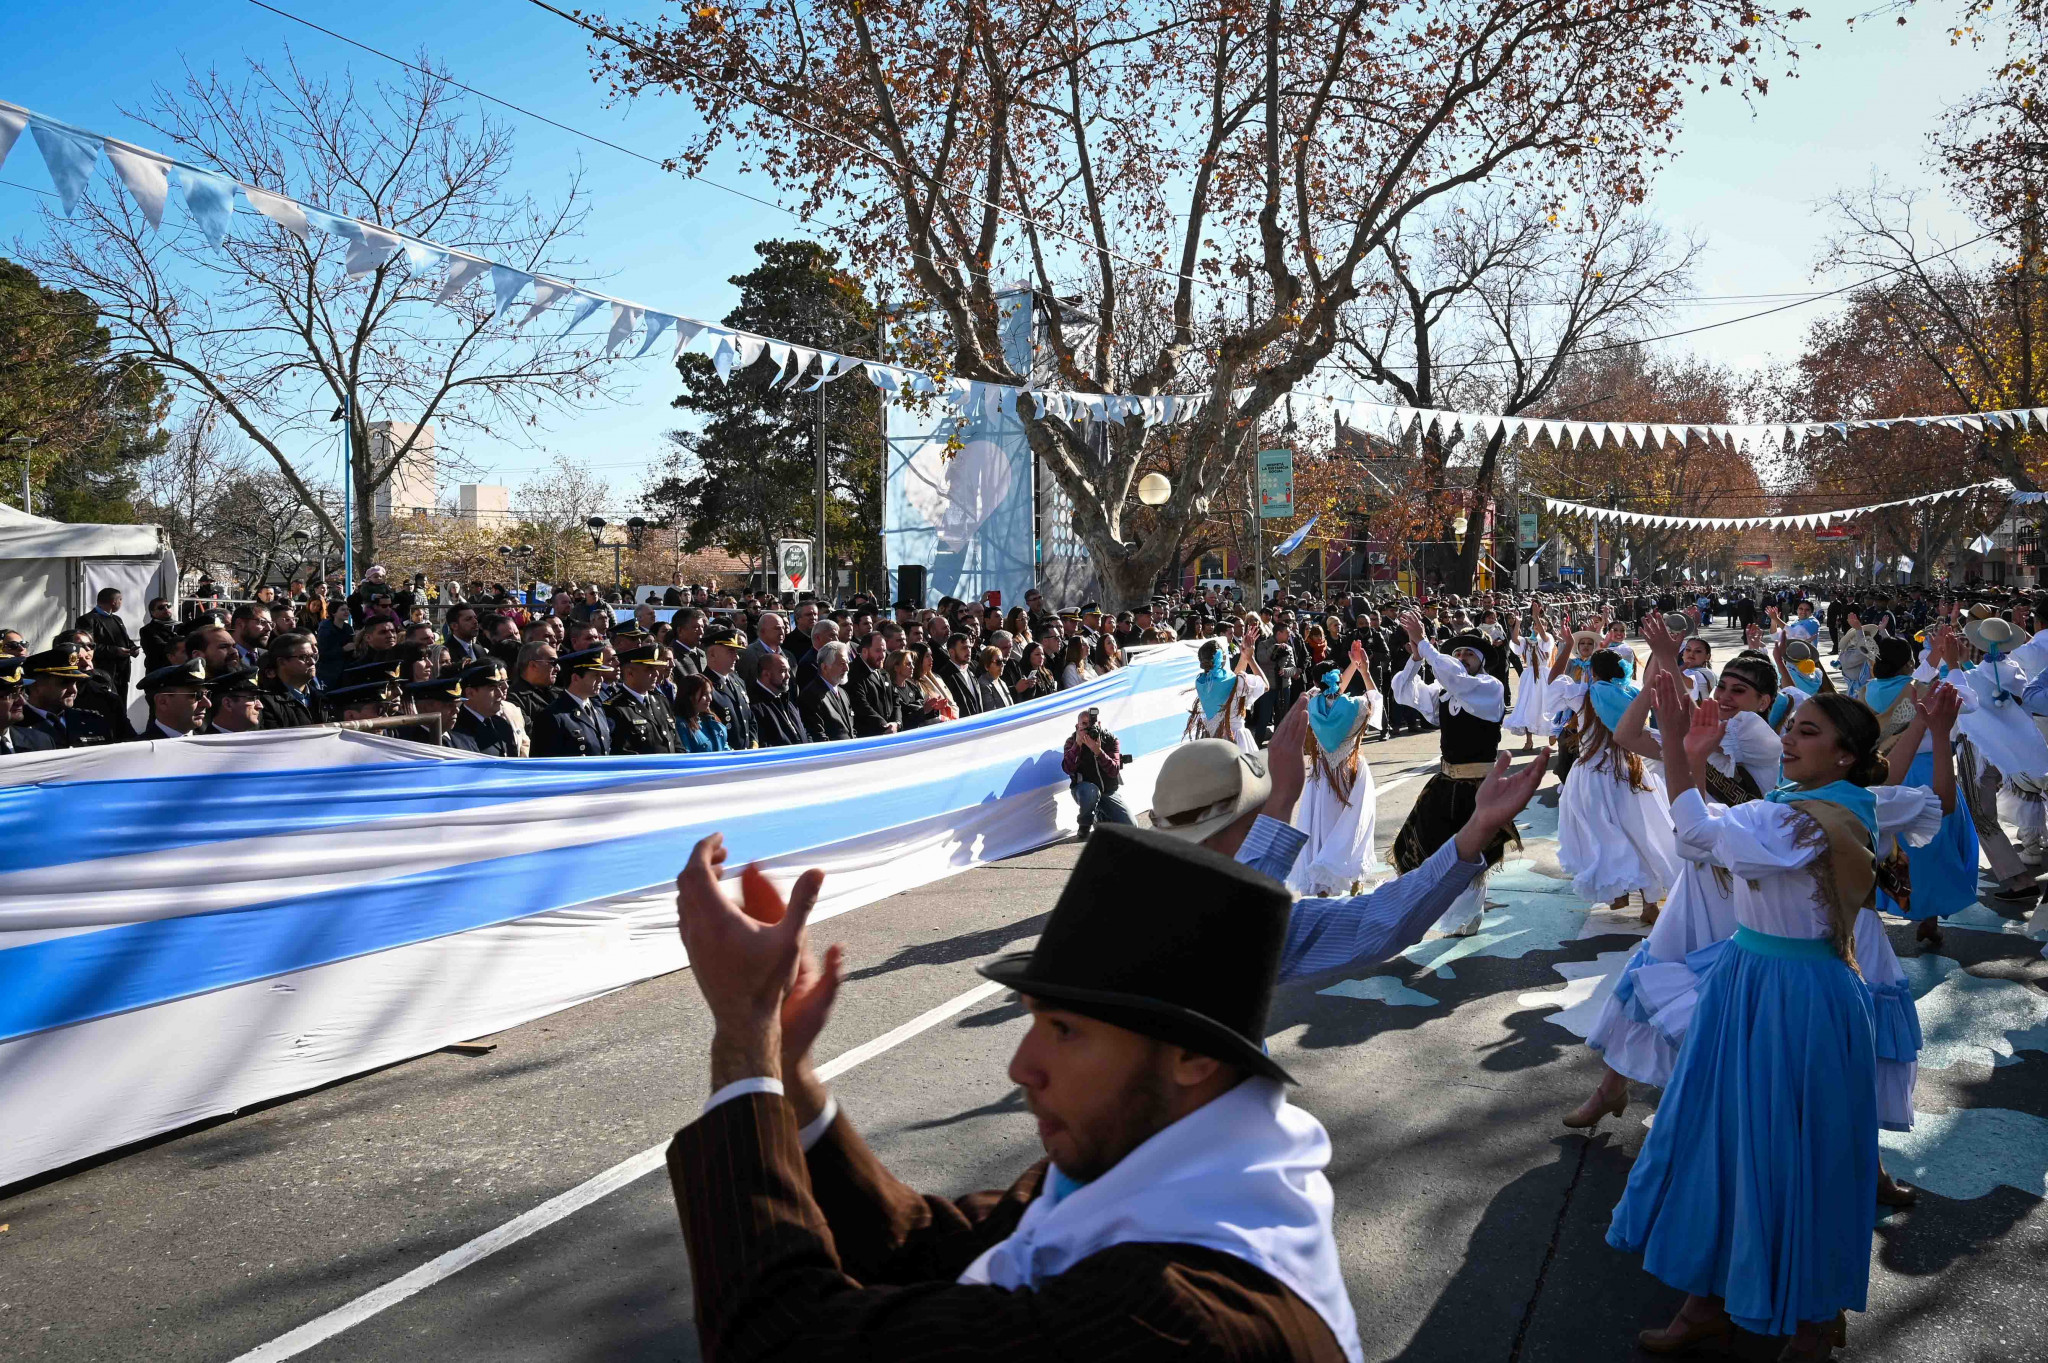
(1466, 705)
(1338, 804)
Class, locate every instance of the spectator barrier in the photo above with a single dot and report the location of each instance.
(191, 927)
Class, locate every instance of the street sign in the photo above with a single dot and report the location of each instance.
(1528, 529)
(1276, 484)
(793, 565)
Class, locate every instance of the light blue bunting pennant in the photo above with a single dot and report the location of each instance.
(70, 157)
(11, 123)
(586, 304)
(506, 284)
(657, 323)
(210, 199)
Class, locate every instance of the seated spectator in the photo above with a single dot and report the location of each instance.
(290, 695)
(989, 691)
(1033, 678)
(773, 700)
(828, 715)
(876, 709)
(933, 689)
(954, 669)
(481, 724)
(699, 729)
(1075, 669)
(918, 709)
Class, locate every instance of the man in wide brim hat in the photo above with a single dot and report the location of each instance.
(1181, 1191)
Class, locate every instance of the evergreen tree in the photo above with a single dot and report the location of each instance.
(84, 416)
(749, 474)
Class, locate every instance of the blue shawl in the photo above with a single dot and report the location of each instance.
(1881, 693)
(1856, 799)
(1332, 714)
(1610, 700)
(1212, 688)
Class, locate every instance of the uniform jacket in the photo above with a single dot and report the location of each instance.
(21, 738)
(572, 728)
(72, 728)
(729, 702)
(642, 725)
(827, 1257)
(492, 737)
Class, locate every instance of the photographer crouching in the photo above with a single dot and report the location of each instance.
(1094, 767)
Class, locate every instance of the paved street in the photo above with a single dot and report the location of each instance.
(1469, 1220)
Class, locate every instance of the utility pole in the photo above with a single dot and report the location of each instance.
(819, 564)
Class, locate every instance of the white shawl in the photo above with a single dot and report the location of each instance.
(1242, 1174)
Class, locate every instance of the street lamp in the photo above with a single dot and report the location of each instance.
(596, 525)
(1154, 489)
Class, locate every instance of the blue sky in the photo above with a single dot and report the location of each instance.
(1751, 181)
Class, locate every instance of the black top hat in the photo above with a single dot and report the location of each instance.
(1164, 938)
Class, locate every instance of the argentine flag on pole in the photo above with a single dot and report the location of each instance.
(1293, 541)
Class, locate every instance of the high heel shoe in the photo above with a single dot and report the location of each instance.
(1590, 1112)
(1683, 1336)
(1892, 1193)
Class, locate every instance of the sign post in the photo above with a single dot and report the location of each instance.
(1527, 527)
(793, 566)
(1276, 484)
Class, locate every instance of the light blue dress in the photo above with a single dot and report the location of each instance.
(1944, 872)
(1758, 1182)
(708, 736)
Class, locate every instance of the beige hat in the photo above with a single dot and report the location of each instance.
(1991, 634)
(1800, 651)
(1205, 786)
(1677, 623)
(1586, 636)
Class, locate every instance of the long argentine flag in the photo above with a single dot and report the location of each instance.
(190, 927)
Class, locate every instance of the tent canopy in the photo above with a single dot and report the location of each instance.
(26, 536)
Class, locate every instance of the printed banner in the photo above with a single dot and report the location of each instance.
(230, 919)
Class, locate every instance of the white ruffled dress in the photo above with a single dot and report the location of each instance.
(1532, 709)
(1610, 836)
(1340, 834)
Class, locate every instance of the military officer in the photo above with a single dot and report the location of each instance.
(237, 702)
(177, 700)
(642, 721)
(354, 700)
(51, 700)
(576, 725)
(15, 735)
(434, 696)
(480, 725)
(722, 645)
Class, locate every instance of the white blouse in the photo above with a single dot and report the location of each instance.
(1465, 692)
(1768, 847)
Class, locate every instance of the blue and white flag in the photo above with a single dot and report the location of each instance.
(229, 919)
(1293, 541)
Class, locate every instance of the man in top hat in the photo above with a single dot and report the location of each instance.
(480, 724)
(1181, 1210)
(1242, 804)
(576, 725)
(1467, 704)
(643, 722)
(16, 736)
(177, 700)
(237, 702)
(50, 700)
(722, 645)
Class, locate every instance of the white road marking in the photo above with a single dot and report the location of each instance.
(555, 1208)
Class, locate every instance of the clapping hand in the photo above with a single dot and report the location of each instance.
(1939, 708)
(1358, 654)
(1501, 796)
(1662, 642)
(1412, 623)
(748, 959)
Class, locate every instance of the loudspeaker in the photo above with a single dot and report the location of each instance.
(910, 585)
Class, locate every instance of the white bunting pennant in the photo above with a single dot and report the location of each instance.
(146, 178)
(461, 271)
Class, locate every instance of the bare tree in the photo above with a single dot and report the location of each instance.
(1254, 155)
(1490, 312)
(554, 506)
(272, 329)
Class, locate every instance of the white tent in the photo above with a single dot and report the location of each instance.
(51, 573)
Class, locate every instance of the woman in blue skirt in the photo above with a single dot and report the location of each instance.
(1944, 872)
(1754, 1192)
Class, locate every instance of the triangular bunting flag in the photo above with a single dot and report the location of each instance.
(506, 285)
(625, 320)
(69, 157)
(147, 179)
(546, 293)
(461, 270)
(286, 213)
(657, 323)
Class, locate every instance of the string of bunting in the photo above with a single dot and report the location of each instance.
(1811, 520)
(210, 198)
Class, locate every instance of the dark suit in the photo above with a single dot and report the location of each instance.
(643, 726)
(780, 723)
(98, 698)
(110, 642)
(492, 737)
(157, 638)
(829, 1258)
(966, 699)
(828, 716)
(572, 728)
(875, 706)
